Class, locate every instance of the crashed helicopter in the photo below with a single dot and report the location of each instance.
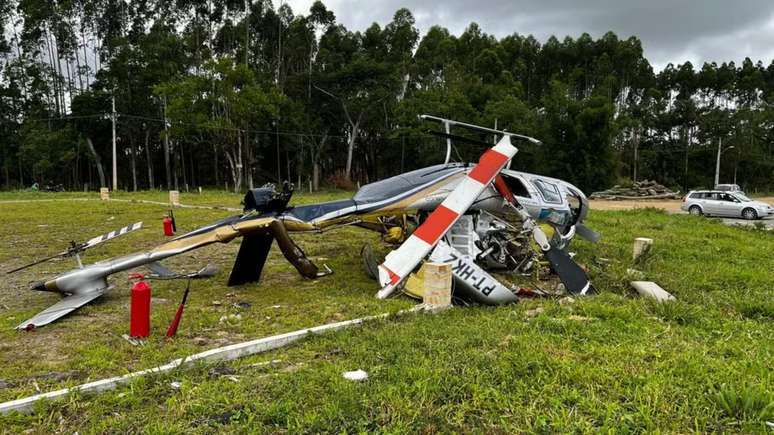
(479, 217)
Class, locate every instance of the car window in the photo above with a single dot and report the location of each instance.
(549, 191)
(726, 197)
(697, 195)
(742, 197)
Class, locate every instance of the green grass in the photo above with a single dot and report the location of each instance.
(608, 363)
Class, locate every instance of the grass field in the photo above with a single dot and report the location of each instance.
(612, 362)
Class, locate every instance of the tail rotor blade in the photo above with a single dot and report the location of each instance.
(111, 235)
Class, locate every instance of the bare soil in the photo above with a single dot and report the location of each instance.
(670, 205)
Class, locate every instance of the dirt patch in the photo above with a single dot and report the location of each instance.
(670, 205)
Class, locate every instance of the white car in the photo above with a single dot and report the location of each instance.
(725, 204)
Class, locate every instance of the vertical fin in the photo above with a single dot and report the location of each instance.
(251, 258)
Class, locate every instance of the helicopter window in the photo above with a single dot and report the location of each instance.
(516, 186)
(549, 191)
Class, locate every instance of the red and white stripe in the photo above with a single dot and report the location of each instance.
(400, 262)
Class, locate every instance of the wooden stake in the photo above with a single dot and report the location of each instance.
(437, 285)
(642, 247)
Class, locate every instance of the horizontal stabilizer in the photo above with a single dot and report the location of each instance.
(159, 271)
(60, 309)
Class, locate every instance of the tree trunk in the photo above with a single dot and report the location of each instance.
(183, 168)
(133, 162)
(354, 130)
(166, 148)
(98, 161)
(250, 160)
(174, 168)
(216, 167)
(149, 161)
(234, 163)
(316, 149)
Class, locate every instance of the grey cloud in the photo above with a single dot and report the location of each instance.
(671, 30)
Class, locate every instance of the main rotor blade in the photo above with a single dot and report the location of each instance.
(458, 138)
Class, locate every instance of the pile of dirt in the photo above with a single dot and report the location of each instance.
(645, 189)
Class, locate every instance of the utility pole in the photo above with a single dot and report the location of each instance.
(166, 145)
(717, 163)
(279, 45)
(115, 159)
(279, 164)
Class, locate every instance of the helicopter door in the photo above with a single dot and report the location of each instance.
(526, 197)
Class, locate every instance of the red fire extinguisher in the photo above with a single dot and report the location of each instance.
(169, 229)
(139, 325)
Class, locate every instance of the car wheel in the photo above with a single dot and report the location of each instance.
(695, 210)
(749, 214)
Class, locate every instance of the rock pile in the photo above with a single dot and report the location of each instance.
(645, 189)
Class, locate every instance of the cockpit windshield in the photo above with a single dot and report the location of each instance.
(549, 191)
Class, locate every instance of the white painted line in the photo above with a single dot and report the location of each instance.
(225, 353)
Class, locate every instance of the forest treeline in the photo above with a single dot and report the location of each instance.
(237, 93)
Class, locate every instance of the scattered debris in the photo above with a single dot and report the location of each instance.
(231, 319)
(635, 274)
(222, 418)
(292, 368)
(652, 290)
(578, 318)
(357, 375)
(60, 376)
(567, 300)
(242, 305)
(5, 384)
(266, 363)
(200, 341)
(217, 303)
(175, 385)
(133, 341)
(534, 312)
(221, 371)
(645, 189)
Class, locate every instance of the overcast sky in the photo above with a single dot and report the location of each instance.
(671, 30)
